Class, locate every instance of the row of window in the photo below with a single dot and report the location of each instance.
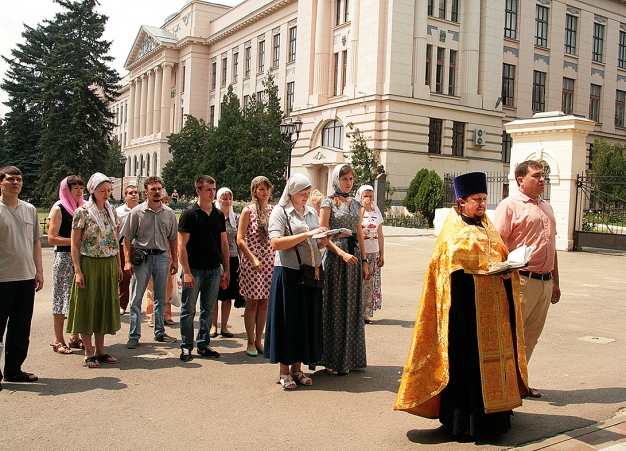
(141, 166)
(567, 96)
(260, 63)
(542, 17)
(121, 114)
(440, 70)
(440, 8)
(435, 137)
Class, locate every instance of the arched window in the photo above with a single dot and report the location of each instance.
(148, 164)
(129, 168)
(332, 135)
(154, 164)
(141, 165)
(135, 166)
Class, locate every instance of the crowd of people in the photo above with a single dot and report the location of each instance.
(308, 288)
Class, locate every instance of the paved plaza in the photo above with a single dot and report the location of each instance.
(152, 400)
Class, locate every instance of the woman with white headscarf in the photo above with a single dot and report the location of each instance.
(94, 301)
(374, 242)
(231, 291)
(346, 267)
(294, 317)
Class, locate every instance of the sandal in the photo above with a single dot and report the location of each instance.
(76, 344)
(287, 382)
(332, 372)
(533, 393)
(106, 358)
(301, 378)
(91, 362)
(22, 376)
(61, 348)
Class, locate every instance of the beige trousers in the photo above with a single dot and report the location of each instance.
(535, 296)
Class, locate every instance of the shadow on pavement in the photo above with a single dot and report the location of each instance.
(55, 387)
(603, 395)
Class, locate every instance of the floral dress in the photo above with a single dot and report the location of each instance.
(372, 296)
(254, 284)
(344, 329)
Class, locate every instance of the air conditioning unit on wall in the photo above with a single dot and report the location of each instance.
(480, 137)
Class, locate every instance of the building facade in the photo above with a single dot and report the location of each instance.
(430, 83)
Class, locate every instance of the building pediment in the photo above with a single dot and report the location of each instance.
(148, 40)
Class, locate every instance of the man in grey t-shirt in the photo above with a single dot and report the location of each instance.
(21, 273)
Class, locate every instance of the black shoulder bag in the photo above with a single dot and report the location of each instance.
(310, 276)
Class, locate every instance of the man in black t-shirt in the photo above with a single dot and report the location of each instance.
(202, 247)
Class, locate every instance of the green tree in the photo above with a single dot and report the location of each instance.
(607, 160)
(78, 84)
(113, 168)
(23, 84)
(411, 192)
(187, 148)
(363, 160)
(430, 196)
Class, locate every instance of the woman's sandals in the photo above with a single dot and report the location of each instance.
(60, 348)
(300, 378)
(287, 382)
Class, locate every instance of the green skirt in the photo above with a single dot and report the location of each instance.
(95, 308)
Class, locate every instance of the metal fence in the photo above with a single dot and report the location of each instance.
(497, 189)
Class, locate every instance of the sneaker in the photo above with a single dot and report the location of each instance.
(132, 343)
(165, 339)
(208, 352)
(185, 355)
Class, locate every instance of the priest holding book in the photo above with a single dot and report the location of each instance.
(466, 364)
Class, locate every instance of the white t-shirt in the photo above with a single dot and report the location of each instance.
(370, 223)
(19, 229)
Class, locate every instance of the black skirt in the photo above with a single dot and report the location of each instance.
(294, 320)
(232, 291)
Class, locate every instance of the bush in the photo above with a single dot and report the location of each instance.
(430, 196)
(411, 192)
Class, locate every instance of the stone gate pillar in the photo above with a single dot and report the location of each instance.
(560, 142)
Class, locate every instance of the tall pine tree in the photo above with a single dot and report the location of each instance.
(23, 84)
(78, 84)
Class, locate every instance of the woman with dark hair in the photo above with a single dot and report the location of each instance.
(94, 301)
(294, 316)
(344, 329)
(257, 265)
(59, 235)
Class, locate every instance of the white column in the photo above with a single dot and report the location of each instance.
(471, 41)
(136, 107)
(355, 17)
(156, 106)
(420, 30)
(150, 103)
(142, 106)
(321, 69)
(165, 99)
(130, 114)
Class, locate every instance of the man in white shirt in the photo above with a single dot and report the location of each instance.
(131, 196)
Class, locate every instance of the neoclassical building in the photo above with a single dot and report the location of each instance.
(430, 83)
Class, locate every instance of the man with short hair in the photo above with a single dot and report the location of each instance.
(152, 228)
(21, 273)
(527, 219)
(203, 246)
(131, 196)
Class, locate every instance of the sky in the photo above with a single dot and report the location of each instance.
(125, 18)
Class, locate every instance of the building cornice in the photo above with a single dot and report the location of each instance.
(248, 20)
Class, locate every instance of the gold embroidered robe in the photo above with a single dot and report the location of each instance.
(504, 375)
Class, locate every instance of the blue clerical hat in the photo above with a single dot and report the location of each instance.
(470, 183)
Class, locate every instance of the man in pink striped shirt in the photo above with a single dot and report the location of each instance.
(527, 219)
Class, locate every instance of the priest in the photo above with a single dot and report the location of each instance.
(466, 364)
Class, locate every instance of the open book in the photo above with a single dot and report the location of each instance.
(517, 259)
(334, 233)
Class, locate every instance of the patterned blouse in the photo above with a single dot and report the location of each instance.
(93, 243)
(231, 234)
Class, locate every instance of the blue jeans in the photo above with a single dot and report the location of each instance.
(155, 266)
(207, 283)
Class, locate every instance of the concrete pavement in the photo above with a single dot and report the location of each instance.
(151, 399)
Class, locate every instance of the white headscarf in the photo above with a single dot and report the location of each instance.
(295, 184)
(94, 181)
(359, 195)
(335, 181)
(231, 212)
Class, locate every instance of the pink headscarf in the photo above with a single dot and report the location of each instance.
(67, 200)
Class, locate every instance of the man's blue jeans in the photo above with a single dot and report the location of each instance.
(155, 266)
(207, 283)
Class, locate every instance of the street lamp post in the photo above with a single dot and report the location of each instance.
(287, 129)
(122, 161)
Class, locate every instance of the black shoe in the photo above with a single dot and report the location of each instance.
(227, 334)
(208, 352)
(213, 334)
(185, 355)
(165, 339)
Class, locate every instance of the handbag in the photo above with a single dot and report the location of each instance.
(310, 276)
